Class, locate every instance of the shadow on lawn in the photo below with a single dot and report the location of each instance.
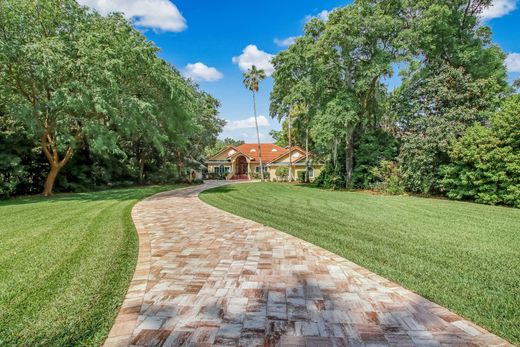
(117, 194)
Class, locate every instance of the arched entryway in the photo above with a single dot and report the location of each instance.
(241, 166)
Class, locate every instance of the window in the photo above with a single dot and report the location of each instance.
(257, 169)
(311, 172)
(221, 169)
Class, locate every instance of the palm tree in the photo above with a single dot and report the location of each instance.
(252, 79)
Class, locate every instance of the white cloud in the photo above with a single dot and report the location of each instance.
(513, 62)
(498, 8)
(202, 72)
(285, 42)
(155, 14)
(323, 15)
(247, 123)
(250, 56)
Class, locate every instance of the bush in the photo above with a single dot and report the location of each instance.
(282, 173)
(329, 178)
(485, 164)
(374, 146)
(256, 175)
(301, 176)
(387, 177)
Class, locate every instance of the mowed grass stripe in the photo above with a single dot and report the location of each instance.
(65, 265)
(461, 255)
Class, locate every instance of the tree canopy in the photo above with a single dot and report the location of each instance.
(74, 80)
(451, 76)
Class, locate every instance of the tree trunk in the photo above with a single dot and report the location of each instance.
(258, 140)
(290, 149)
(51, 178)
(307, 155)
(141, 170)
(349, 157)
(50, 150)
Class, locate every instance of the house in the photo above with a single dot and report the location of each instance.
(241, 161)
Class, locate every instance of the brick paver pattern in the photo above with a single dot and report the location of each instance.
(206, 277)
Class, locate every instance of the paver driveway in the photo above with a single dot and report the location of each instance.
(206, 277)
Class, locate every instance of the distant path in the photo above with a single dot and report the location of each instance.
(206, 277)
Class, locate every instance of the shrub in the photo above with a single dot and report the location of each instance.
(256, 175)
(374, 146)
(282, 173)
(387, 177)
(485, 164)
(329, 178)
(301, 176)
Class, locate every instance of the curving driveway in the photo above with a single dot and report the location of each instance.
(206, 277)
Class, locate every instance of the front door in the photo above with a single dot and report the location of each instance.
(241, 166)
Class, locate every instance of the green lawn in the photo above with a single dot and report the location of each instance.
(65, 265)
(463, 256)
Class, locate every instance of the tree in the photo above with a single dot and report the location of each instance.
(79, 82)
(516, 83)
(341, 64)
(279, 137)
(252, 80)
(485, 162)
(454, 77)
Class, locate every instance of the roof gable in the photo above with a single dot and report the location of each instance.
(296, 152)
(224, 153)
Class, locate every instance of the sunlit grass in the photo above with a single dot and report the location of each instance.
(65, 265)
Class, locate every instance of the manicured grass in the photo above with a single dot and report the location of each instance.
(463, 256)
(65, 265)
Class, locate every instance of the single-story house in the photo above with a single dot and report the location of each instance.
(241, 161)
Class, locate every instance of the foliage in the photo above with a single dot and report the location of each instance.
(301, 176)
(334, 74)
(334, 79)
(65, 271)
(438, 110)
(387, 177)
(429, 246)
(72, 80)
(373, 147)
(330, 178)
(485, 162)
(279, 137)
(282, 172)
(455, 77)
(256, 175)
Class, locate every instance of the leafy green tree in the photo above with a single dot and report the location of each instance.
(279, 137)
(455, 76)
(516, 83)
(252, 79)
(78, 83)
(434, 112)
(486, 160)
(344, 60)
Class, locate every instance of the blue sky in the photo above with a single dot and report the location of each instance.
(212, 41)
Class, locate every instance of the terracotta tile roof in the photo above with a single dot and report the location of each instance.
(270, 151)
(286, 151)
